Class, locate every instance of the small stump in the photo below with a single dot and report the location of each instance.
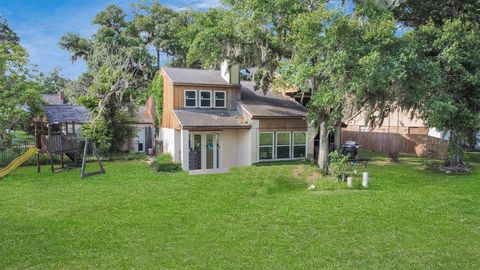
(393, 156)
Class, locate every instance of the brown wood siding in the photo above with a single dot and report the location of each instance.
(232, 94)
(418, 130)
(167, 113)
(390, 129)
(275, 124)
(173, 99)
(382, 129)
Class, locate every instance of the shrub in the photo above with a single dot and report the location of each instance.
(472, 157)
(340, 165)
(164, 163)
(130, 156)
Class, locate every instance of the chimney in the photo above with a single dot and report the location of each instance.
(230, 73)
(61, 96)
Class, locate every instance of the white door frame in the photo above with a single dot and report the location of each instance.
(203, 148)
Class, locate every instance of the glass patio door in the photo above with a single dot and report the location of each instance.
(204, 151)
(195, 154)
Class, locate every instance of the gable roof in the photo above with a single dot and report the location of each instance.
(194, 76)
(142, 116)
(267, 105)
(66, 113)
(211, 118)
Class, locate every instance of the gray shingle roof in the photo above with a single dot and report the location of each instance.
(142, 116)
(211, 118)
(66, 113)
(195, 76)
(269, 104)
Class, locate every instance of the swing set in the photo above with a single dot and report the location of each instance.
(60, 139)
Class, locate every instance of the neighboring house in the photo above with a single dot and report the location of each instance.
(396, 122)
(145, 131)
(57, 111)
(211, 121)
(400, 132)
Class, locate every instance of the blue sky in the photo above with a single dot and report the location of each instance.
(41, 23)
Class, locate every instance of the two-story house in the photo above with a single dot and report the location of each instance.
(213, 121)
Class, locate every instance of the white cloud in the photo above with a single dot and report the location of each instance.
(195, 4)
(205, 4)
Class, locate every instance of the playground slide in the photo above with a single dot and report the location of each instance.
(18, 161)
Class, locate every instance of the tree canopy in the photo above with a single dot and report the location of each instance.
(19, 92)
(120, 70)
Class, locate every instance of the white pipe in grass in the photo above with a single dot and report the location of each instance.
(349, 181)
(365, 180)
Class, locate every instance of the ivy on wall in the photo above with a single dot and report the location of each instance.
(157, 92)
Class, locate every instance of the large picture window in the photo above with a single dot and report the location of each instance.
(219, 99)
(283, 145)
(265, 148)
(205, 99)
(299, 144)
(190, 98)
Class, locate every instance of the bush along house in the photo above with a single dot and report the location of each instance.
(212, 121)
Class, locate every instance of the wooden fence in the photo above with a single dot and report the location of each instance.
(421, 145)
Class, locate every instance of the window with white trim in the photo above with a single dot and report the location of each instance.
(283, 145)
(265, 148)
(190, 98)
(219, 99)
(205, 99)
(299, 144)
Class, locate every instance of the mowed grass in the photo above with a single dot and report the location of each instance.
(261, 217)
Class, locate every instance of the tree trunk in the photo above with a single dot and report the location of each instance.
(455, 151)
(338, 136)
(158, 58)
(323, 147)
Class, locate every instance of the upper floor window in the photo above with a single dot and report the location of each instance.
(220, 99)
(205, 99)
(190, 98)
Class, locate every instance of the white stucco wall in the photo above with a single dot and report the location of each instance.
(139, 137)
(229, 150)
(254, 135)
(433, 132)
(171, 139)
(184, 154)
(235, 145)
(245, 147)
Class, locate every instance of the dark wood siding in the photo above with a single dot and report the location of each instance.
(285, 124)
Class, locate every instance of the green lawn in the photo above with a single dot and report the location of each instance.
(252, 218)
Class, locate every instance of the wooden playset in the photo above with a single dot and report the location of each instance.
(60, 139)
